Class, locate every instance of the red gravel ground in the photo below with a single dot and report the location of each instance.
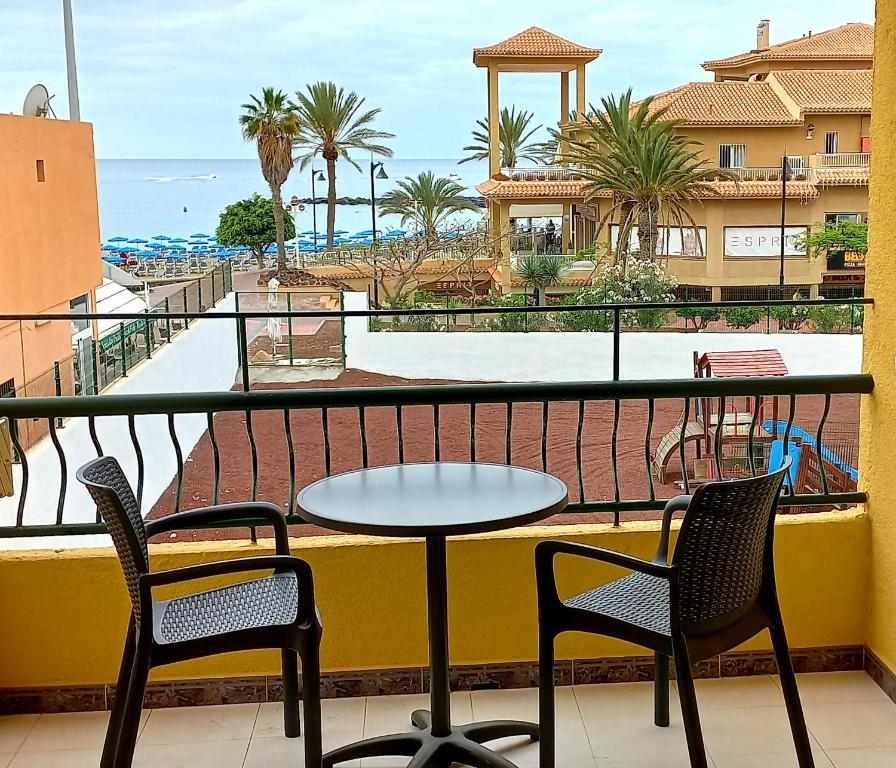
(273, 476)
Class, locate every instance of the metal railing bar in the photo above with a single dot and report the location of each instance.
(579, 470)
(290, 449)
(819, 445)
(63, 470)
(429, 394)
(648, 433)
(216, 457)
(179, 456)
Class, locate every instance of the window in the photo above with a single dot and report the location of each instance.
(39, 165)
(831, 143)
(79, 306)
(836, 218)
(732, 155)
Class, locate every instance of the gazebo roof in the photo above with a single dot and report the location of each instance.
(536, 43)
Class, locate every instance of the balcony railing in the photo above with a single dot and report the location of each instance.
(844, 160)
(542, 173)
(609, 441)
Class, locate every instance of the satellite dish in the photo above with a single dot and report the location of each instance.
(37, 102)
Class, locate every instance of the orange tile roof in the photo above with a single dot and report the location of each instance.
(842, 177)
(506, 190)
(544, 190)
(831, 90)
(728, 103)
(536, 41)
(854, 41)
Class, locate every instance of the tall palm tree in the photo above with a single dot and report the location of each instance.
(514, 134)
(653, 173)
(427, 200)
(271, 122)
(333, 123)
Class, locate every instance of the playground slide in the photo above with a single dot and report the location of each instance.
(776, 459)
(669, 446)
(799, 432)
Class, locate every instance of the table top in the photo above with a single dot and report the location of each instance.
(440, 498)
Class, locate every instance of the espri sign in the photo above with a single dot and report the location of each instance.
(763, 242)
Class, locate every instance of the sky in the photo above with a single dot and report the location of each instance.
(165, 79)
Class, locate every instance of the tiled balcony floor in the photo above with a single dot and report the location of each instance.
(852, 725)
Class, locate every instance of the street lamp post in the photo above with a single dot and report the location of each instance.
(380, 173)
(785, 169)
(315, 176)
(295, 206)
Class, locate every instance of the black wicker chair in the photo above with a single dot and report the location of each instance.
(718, 591)
(277, 611)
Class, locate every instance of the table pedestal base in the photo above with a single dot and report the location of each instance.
(462, 744)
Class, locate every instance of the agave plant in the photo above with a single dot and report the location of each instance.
(514, 134)
(541, 271)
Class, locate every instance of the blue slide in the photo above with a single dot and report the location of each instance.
(796, 431)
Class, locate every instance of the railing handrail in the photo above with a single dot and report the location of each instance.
(430, 394)
(440, 312)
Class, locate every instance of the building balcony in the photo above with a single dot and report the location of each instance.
(841, 160)
(616, 444)
(542, 173)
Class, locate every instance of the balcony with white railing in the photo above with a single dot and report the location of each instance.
(843, 160)
(542, 173)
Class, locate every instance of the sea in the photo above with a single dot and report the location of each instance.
(179, 198)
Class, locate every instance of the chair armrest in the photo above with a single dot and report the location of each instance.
(547, 550)
(225, 515)
(676, 504)
(302, 570)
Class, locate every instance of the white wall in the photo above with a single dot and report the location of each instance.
(202, 358)
(575, 356)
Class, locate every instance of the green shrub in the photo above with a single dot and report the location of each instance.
(586, 319)
(742, 317)
(699, 317)
(510, 323)
(831, 318)
(790, 317)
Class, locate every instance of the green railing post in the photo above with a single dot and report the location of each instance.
(122, 350)
(214, 275)
(244, 351)
(342, 326)
(147, 336)
(186, 308)
(57, 381)
(199, 288)
(167, 320)
(96, 367)
(288, 326)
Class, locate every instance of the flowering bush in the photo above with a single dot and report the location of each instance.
(640, 281)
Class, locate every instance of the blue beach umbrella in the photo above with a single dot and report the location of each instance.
(200, 234)
(119, 239)
(178, 240)
(137, 240)
(160, 237)
(340, 231)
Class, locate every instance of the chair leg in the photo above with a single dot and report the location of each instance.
(130, 716)
(311, 704)
(546, 715)
(688, 696)
(292, 726)
(661, 690)
(121, 694)
(791, 697)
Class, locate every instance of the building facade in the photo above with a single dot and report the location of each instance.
(49, 246)
(807, 99)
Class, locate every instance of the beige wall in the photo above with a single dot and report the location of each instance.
(765, 145)
(49, 241)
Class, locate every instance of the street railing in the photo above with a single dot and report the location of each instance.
(611, 442)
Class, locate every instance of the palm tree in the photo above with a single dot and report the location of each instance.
(652, 172)
(427, 200)
(513, 136)
(541, 271)
(332, 123)
(271, 122)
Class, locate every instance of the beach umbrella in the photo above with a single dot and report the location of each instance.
(118, 239)
(160, 237)
(307, 232)
(200, 234)
(340, 231)
(137, 240)
(178, 240)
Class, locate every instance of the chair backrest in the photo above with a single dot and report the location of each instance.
(724, 549)
(115, 501)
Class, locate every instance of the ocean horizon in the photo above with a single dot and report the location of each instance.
(179, 197)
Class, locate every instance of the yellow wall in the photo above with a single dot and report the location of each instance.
(878, 444)
(372, 598)
(49, 240)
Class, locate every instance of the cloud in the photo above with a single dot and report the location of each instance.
(163, 79)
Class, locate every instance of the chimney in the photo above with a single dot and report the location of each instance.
(762, 35)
